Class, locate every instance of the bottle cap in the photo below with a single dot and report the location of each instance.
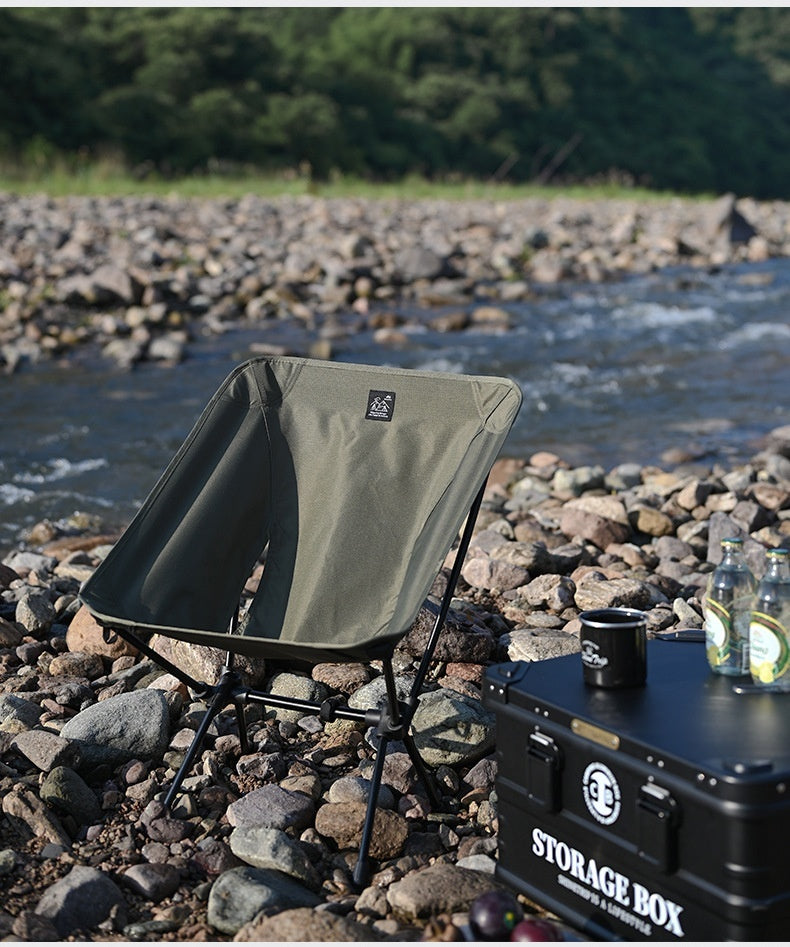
(732, 541)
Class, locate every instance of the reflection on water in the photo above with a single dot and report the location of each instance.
(610, 373)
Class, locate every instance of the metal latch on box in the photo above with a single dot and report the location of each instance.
(500, 677)
(658, 817)
(544, 768)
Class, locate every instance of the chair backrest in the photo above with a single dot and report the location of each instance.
(357, 477)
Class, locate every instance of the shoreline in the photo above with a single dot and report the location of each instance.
(138, 279)
(551, 540)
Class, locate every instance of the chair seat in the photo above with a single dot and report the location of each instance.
(356, 506)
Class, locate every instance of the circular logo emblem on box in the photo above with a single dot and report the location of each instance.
(601, 793)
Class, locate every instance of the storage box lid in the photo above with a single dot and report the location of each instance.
(686, 718)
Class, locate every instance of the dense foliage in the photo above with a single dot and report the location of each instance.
(690, 99)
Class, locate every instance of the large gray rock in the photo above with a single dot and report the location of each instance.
(272, 807)
(299, 687)
(46, 750)
(240, 894)
(262, 847)
(721, 526)
(370, 695)
(153, 882)
(588, 524)
(415, 263)
(10, 634)
(594, 592)
(107, 285)
(553, 592)
(355, 788)
(302, 925)
(24, 562)
(129, 726)
(439, 889)
(577, 480)
(205, 664)
(723, 221)
(343, 821)
(485, 572)
(527, 644)
(456, 641)
(81, 900)
(451, 728)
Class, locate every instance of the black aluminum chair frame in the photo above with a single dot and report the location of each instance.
(391, 719)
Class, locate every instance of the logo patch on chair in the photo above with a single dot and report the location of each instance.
(381, 406)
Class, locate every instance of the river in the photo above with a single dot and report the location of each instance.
(611, 373)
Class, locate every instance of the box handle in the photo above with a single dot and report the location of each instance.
(544, 767)
(658, 818)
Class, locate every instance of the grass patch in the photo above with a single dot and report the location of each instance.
(108, 179)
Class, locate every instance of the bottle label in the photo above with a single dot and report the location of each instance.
(718, 632)
(769, 654)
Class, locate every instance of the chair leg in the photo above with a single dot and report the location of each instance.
(224, 687)
(241, 723)
(362, 868)
(422, 770)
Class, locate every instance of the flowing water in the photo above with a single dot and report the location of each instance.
(610, 373)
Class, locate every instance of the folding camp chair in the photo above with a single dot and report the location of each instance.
(355, 481)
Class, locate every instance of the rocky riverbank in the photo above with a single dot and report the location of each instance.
(137, 279)
(260, 846)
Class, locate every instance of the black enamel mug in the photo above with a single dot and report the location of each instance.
(614, 647)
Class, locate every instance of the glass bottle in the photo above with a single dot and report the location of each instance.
(769, 630)
(728, 604)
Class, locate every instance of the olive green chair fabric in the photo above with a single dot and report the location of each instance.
(351, 481)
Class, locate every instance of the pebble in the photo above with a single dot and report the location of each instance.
(154, 882)
(67, 793)
(7, 861)
(144, 929)
(17, 714)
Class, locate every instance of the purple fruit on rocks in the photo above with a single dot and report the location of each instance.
(494, 915)
(535, 928)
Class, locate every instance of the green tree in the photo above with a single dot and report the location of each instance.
(685, 98)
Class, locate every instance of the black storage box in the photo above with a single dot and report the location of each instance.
(651, 813)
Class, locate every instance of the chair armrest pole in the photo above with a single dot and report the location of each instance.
(455, 572)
